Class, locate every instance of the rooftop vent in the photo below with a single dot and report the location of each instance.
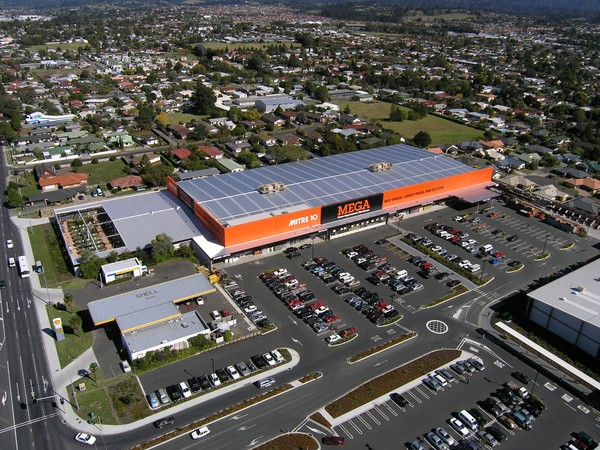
(380, 166)
(269, 188)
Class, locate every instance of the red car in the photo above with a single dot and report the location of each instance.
(498, 254)
(333, 440)
(316, 305)
(347, 332)
(330, 319)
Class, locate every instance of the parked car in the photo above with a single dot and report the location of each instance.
(333, 440)
(205, 383)
(233, 373)
(460, 427)
(153, 400)
(222, 374)
(174, 392)
(521, 377)
(445, 436)
(347, 332)
(185, 390)
(399, 399)
(242, 369)
(508, 422)
(269, 359)
(125, 366)
(259, 361)
(333, 338)
(194, 384)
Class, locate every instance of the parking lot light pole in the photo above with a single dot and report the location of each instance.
(312, 247)
(212, 360)
(482, 269)
(545, 242)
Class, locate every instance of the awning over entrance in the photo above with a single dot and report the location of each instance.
(477, 195)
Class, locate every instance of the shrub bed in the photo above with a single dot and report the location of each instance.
(310, 377)
(319, 418)
(460, 289)
(391, 380)
(381, 347)
(292, 440)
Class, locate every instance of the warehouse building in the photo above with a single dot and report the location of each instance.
(570, 307)
(260, 210)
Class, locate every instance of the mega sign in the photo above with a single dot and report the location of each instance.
(351, 208)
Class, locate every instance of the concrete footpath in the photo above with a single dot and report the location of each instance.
(63, 378)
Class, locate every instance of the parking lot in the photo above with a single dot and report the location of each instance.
(388, 425)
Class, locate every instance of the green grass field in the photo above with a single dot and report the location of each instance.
(103, 172)
(441, 131)
(47, 250)
(246, 45)
(72, 346)
(176, 118)
(73, 46)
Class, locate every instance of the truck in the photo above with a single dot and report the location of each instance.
(521, 392)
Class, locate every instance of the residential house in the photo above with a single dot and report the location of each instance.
(126, 183)
(267, 140)
(69, 180)
(44, 171)
(551, 193)
(211, 151)
(180, 154)
(147, 139)
(289, 139)
(509, 164)
(238, 146)
(272, 119)
(270, 104)
(519, 181)
(592, 185)
(229, 165)
(180, 131)
(349, 119)
(569, 172)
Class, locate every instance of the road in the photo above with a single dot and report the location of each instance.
(23, 367)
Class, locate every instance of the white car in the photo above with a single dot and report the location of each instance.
(214, 379)
(199, 433)
(280, 272)
(459, 427)
(333, 338)
(85, 438)
(9, 243)
(215, 315)
(233, 373)
(277, 355)
(185, 389)
(464, 263)
(12, 262)
(125, 366)
(269, 359)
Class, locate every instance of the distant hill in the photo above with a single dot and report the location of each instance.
(525, 7)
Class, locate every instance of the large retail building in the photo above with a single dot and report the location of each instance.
(255, 211)
(261, 209)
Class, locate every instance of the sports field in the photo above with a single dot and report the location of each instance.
(441, 131)
(246, 45)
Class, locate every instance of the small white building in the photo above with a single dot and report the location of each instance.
(122, 269)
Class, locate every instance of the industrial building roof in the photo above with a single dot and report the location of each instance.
(576, 293)
(234, 198)
(149, 305)
(171, 331)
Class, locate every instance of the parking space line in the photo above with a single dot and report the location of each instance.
(364, 422)
(422, 393)
(346, 432)
(358, 430)
(381, 412)
(415, 397)
(392, 410)
(373, 417)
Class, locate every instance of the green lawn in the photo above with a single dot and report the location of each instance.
(72, 346)
(93, 399)
(103, 172)
(73, 46)
(246, 45)
(441, 131)
(47, 250)
(176, 118)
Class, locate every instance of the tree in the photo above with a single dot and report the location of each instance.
(75, 323)
(68, 301)
(162, 248)
(422, 139)
(321, 93)
(203, 99)
(145, 117)
(93, 368)
(162, 120)
(396, 114)
(90, 268)
(14, 199)
(155, 175)
(76, 163)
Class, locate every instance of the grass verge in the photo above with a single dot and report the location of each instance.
(381, 347)
(292, 440)
(46, 249)
(456, 291)
(310, 377)
(319, 418)
(72, 346)
(391, 380)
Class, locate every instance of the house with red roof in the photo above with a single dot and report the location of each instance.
(127, 182)
(67, 181)
(180, 153)
(211, 151)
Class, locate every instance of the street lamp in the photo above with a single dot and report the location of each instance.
(545, 242)
(212, 360)
(482, 269)
(312, 247)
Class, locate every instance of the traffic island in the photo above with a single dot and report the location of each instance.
(390, 381)
(291, 440)
(378, 349)
(543, 257)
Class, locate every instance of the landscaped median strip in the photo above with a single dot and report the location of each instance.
(379, 348)
(390, 381)
(292, 440)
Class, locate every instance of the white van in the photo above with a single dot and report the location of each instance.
(488, 248)
(400, 275)
(468, 419)
(265, 383)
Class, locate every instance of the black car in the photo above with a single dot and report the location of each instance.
(2, 284)
(164, 422)
(512, 238)
(441, 276)
(452, 283)
(373, 280)
(496, 433)
(398, 399)
(205, 383)
(194, 384)
(222, 374)
(514, 263)
(521, 377)
(259, 361)
(294, 254)
(305, 246)
(289, 250)
(490, 406)
(174, 392)
(534, 409)
(478, 416)
(306, 296)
